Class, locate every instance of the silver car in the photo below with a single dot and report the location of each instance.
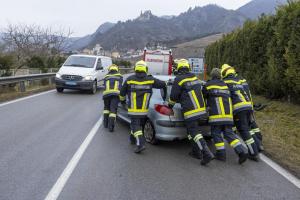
(163, 123)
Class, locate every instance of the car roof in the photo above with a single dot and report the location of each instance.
(164, 77)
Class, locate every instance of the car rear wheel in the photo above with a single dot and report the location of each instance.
(60, 90)
(94, 88)
(149, 133)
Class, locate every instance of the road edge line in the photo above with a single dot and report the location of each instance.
(290, 177)
(25, 98)
(65, 175)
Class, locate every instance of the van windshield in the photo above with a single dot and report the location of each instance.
(78, 61)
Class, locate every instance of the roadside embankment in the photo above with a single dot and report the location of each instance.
(280, 126)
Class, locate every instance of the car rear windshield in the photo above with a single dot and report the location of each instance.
(80, 61)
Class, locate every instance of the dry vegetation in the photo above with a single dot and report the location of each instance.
(280, 125)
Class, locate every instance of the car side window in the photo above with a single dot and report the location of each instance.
(99, 65)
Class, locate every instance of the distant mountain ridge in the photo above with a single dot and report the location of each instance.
(148, 29)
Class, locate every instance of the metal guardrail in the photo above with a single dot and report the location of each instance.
(21, 79)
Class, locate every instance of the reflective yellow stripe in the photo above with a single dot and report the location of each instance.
(194, 111)
(217, 87)
(111, 91)
(234, 142)
(134, 100)
(145, 101)
(107, 85)
(222, 144)
(231, 81)
(198, 137)
(116, 85)
(112, 115)
(106, 111)
(241, 96)
(122, 98)
(222, 106)
(256, 130)
(141, 82)
(250, 141)
(190, 137)
(234, 128)
(242, 104)
(220, 116)
(195, 98)
(138, 133)
(186, 80)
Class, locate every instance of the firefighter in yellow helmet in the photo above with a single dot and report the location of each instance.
(138, 89)
(242, 108)
(112, 85)
(220, 116)
(186, 90)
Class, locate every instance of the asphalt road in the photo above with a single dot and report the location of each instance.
(40, 135)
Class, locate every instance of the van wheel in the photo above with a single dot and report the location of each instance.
(149, 133)
(94, 88)
(60, 90)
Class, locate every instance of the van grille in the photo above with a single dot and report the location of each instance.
(72, 77)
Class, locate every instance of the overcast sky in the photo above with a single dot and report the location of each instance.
(84, 16)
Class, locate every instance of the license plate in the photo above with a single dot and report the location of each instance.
(71, 83)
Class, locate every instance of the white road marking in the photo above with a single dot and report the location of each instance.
(24, 98)
(62, 180)
(293, 179)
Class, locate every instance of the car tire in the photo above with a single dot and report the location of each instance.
(59, 90)
(94, 88)
(149, 133)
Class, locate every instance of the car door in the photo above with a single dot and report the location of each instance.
(100, 72)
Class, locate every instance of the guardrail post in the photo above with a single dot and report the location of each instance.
(50, 81)
(22, 86)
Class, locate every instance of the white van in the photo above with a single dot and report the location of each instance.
(82, 72)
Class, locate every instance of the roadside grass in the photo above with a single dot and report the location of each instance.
(14, 94)
(280, 126)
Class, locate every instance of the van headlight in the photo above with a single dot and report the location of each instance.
(88, 78)
(58, 76)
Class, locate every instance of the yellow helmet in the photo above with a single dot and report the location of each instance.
(226, 70)
(113, 67)
(141, 66)
(183, 63)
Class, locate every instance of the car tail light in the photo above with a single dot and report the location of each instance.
(164, 110)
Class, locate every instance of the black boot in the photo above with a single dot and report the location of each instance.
(195, 154)
(207, 155)
(253, 158)
(139, 149)
(105, 121)
(111, 124)
(242, 158)
(220, 155)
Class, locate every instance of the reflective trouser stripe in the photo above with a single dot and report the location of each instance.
(190, 137)
(249, 142)
(256, 130)
(252, 132)
(220, 146)
(112, 115)
(136, 135)
(198, 137)
(106, 112)
(122, 98)
(235, 143)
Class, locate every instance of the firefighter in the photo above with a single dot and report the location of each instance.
(138, 88)
(112, 83)
(242, 108)
(254, 129)
(220, 116)
(186, 90)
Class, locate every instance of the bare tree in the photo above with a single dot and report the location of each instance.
(26, 41)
